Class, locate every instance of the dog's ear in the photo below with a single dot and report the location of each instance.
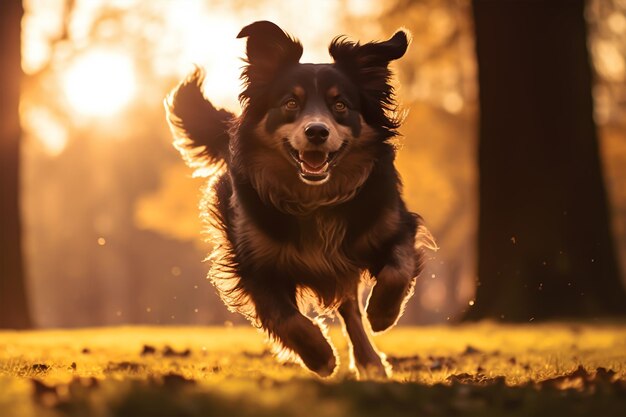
(269, 50)
(368, 65)
(354, 56)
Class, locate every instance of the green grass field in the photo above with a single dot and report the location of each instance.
(474, 369)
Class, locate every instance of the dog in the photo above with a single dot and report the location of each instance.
(304, 204)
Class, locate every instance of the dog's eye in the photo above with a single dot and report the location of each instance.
(291, 104)
(340, 106)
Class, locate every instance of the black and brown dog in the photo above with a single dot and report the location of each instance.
(306, 202)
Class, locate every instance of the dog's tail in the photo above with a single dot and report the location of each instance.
(200, 130)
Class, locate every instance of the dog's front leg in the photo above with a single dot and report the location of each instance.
(278, 313)
(367, 361)
(394, 285)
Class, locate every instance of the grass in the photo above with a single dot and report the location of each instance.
(474, 369)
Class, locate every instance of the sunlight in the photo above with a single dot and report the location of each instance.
(100, 83)
(207, 39)
(50, 133)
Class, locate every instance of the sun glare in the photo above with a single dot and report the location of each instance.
(100, 83)
(42, 124)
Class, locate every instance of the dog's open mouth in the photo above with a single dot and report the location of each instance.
(314, 165)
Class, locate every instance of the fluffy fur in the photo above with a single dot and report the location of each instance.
(306, 202)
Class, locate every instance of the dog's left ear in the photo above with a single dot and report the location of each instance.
(367, 65)
(354, 56)
(269, 50)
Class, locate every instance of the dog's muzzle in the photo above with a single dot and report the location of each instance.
(314, 165)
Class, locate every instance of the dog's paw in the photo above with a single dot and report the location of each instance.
(385, 304)
(305, 339)
(380, 323)
(373, 372)
(324, 369)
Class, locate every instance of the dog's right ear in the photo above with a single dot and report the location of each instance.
(269, 50)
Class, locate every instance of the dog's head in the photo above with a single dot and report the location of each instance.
(317, 122)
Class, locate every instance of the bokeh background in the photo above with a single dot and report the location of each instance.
(111, 226)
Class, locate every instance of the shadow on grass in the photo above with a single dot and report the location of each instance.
(577, 393)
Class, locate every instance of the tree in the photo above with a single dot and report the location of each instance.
(13, 306)
(545, 246)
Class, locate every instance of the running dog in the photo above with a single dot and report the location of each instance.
(306, 203)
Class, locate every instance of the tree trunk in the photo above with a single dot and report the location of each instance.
(545, 245)
(13, 306)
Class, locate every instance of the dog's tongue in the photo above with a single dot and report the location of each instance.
(314, 159)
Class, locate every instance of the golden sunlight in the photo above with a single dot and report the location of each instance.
(50, 133)
(100, 82)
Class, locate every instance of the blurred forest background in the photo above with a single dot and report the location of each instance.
(110, 221)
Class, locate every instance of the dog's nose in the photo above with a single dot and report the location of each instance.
(316, 133)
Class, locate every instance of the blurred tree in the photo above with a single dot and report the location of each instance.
(13, 306)
(545, 248)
